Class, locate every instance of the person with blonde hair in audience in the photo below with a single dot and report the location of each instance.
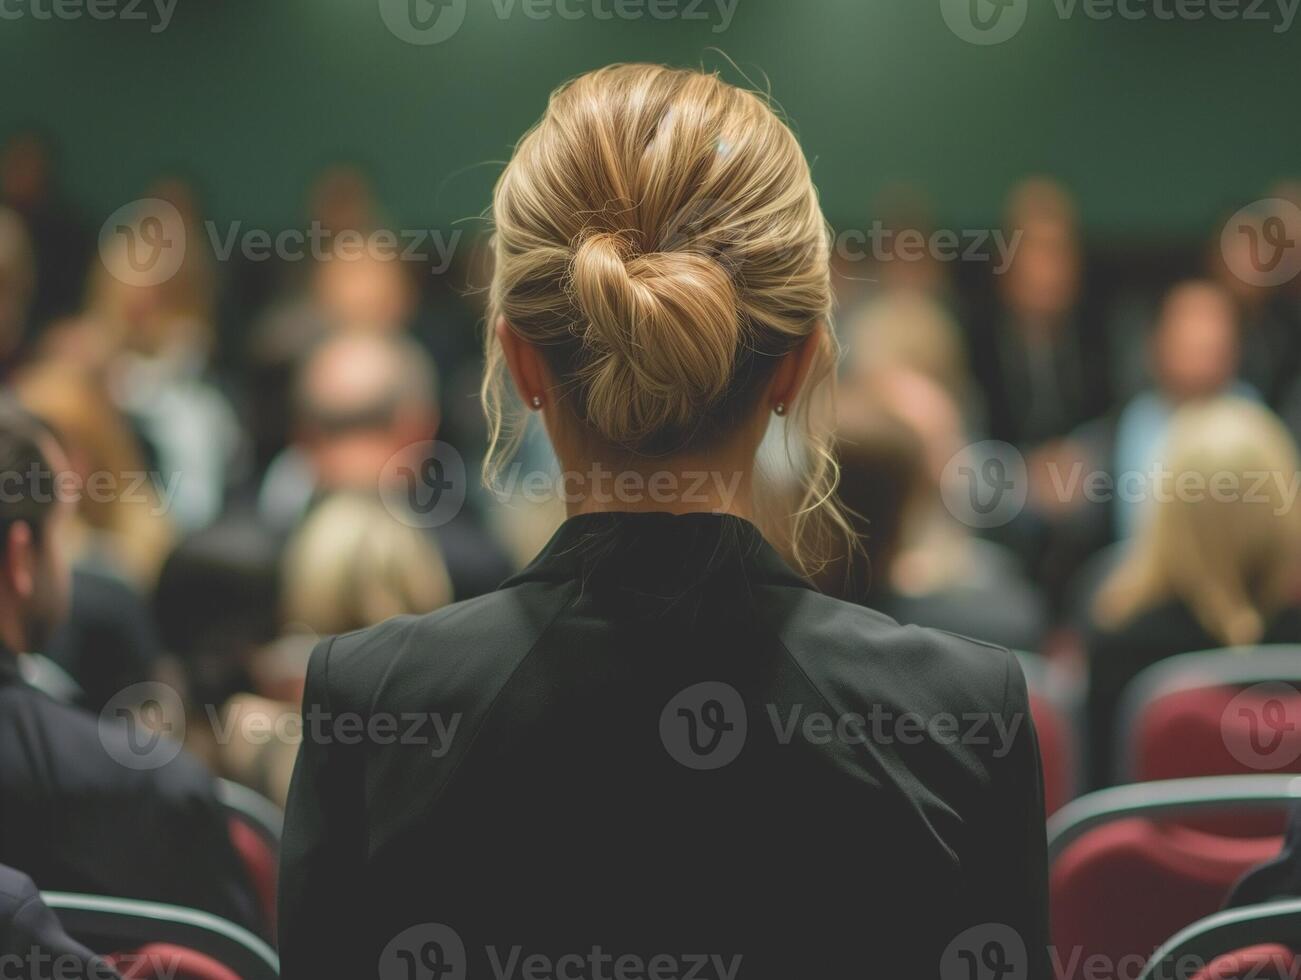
(908, 329)
(613, 753)
(350, 565)
(1216, 561)
(928, 567)
(124, 527)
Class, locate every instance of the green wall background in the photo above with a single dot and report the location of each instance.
(1158, 126)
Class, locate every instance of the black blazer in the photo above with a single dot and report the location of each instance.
(79, 814)
(33, 943)
(659, 741)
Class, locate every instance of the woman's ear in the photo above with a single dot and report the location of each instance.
(793, 370)
(526, 366)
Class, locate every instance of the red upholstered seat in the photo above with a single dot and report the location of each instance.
(1124, 887)
(165, 961)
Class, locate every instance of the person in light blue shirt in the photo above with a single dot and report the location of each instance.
(1194, 354)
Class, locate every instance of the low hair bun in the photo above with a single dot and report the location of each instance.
(662, 330)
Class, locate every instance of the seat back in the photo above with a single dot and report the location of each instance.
(178, 938)
(1221, 712)
(1218, 712)
(1124, 875)
(1256, 941)
(255, 827)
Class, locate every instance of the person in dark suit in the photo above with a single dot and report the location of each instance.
(33, 943)
(659, 749)
(89, 805)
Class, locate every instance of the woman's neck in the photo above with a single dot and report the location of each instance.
(674, 486)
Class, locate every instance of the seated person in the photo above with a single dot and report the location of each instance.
(924, 566)
(350, 565)
(1214, 563)
(33, 944)
(90, 805)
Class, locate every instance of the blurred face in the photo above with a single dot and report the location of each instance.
(23, 171)
(1196, 345)
(1043, 279)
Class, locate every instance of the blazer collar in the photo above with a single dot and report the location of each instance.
(642, 550)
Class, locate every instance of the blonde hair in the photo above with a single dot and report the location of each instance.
(132, 526)
(353, 564)
(907, 328)
(658, 238)
(1229, 556)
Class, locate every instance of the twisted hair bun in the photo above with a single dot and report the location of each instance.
(658, 241)
(661, 332)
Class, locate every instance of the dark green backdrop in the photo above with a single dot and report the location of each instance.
(1157, 125)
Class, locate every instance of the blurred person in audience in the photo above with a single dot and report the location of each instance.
(101, 806)
(907, 329)
(152, 344)
(358, 289)
(350, 565)
(31, 935)
(216, 605)
(17, 287)
(1038, 354)
(118, 535)
(122, 528)
(574, 686)
(1269, 326)
(926, 567)
(1215, 564)
(1194, 355)
(366, 412)
(61, 242)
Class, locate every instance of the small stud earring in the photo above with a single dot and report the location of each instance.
(780, 408)
(537, 401)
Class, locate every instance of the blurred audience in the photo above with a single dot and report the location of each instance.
(366, 413)
(61, 241)
(1215, 563)
(1194, 355)
(921, 565)
(351, 564)
(102, 806)
(1038, 355)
